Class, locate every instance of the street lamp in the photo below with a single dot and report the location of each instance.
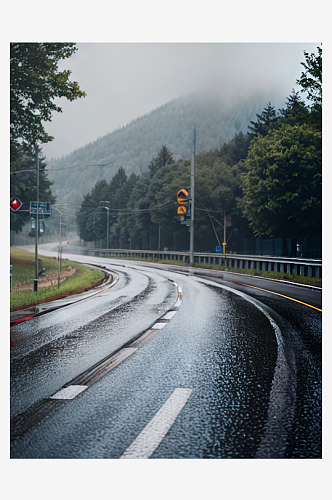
(108, 222)
(60, 247)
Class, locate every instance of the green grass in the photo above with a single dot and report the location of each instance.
(24, 272)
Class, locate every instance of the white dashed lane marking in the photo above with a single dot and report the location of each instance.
(155, 431)
(37, 412)
(69, 392)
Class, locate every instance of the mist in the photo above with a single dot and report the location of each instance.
(126, 80)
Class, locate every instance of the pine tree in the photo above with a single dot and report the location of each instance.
(268, 116)
(165, 157)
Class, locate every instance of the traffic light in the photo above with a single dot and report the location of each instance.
(183, 202)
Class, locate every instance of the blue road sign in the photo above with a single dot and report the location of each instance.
(43, 207)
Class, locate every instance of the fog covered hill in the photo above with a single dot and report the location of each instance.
(133, 146)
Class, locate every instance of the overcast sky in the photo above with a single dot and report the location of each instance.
(126, 80)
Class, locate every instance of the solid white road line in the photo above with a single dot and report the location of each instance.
(152, 435)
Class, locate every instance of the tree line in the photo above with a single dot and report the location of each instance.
(268, 182)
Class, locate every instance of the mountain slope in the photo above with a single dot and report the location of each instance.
(133, 146)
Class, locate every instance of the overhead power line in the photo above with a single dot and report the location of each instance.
(66, 168)
(82, 166)
(132, 210)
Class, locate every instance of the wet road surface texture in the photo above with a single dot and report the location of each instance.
(222, 371)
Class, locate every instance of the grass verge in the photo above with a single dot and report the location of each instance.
(23, 263)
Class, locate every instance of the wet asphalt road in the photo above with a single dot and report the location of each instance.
(248, 364)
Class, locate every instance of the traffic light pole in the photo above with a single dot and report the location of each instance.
(192, 196)
(35, 281)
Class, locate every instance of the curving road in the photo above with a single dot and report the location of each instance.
(170, 364)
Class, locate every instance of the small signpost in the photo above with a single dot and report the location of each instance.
(38, 210)
(183, 202)
(184, 206)
(15, 204)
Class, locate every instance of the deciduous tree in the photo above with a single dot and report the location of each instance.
(282, 185)
(311, 78)
(35, 82)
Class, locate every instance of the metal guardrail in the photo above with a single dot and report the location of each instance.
(296, 266)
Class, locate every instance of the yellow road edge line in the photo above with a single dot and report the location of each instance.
(284, 296)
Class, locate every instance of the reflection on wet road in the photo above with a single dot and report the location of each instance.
(233, 374)
(58, 346)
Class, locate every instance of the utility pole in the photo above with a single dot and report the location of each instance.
(35, 281)
(192, 196)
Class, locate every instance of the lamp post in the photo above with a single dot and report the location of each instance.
(108, 222)
(60, 247)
